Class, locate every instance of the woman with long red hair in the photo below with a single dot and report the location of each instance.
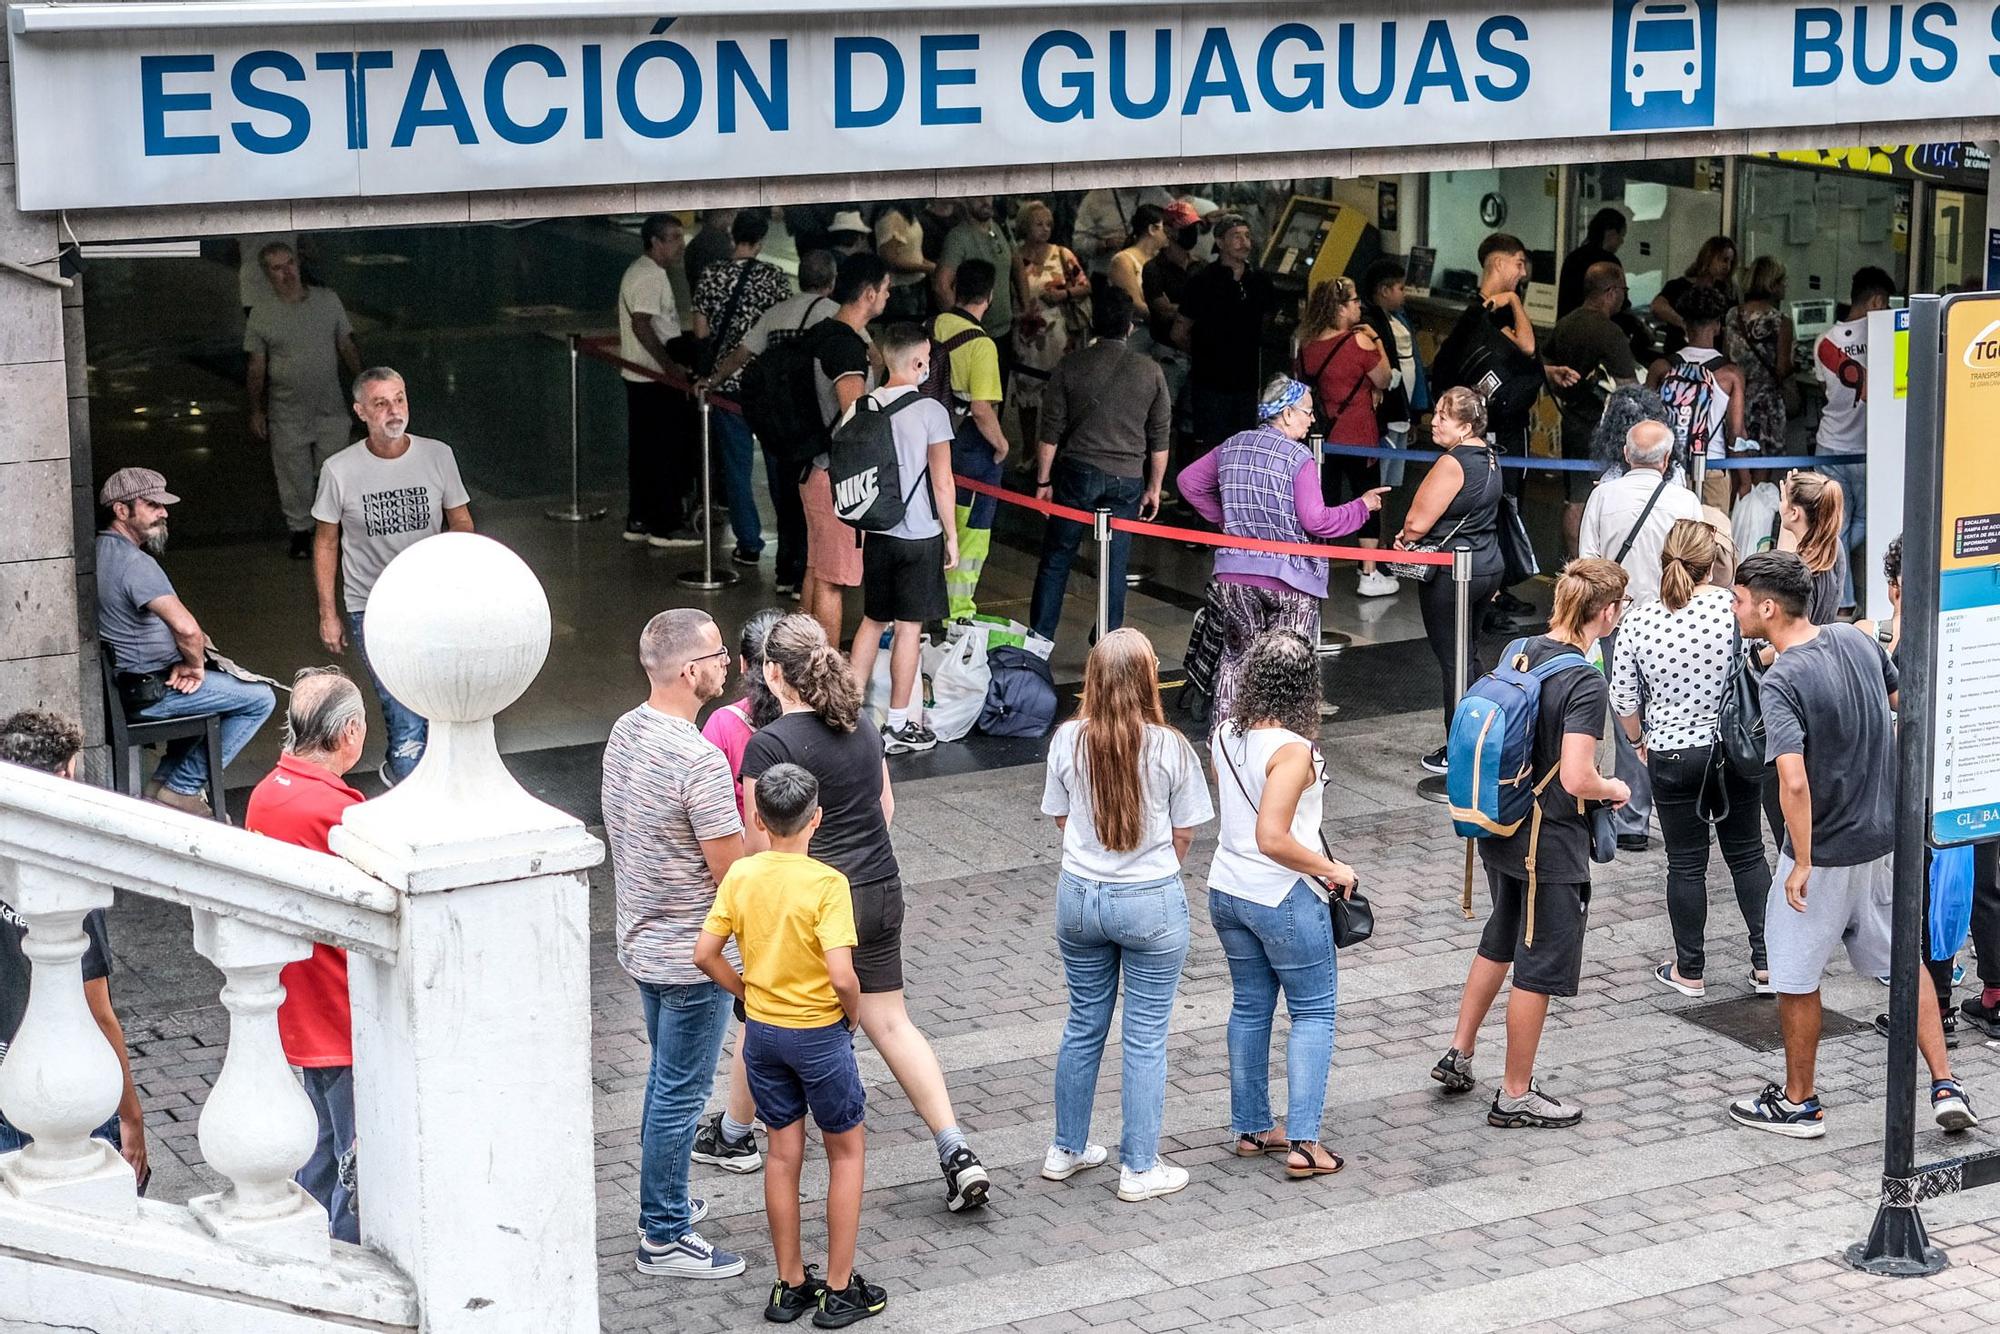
(1127, 791)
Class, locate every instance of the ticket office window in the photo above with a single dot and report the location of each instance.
(1465, 207)
(1823, 225)
(1671, 207)
(1953, 251)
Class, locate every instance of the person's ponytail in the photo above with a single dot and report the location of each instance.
(814, 670)
(1686, 561)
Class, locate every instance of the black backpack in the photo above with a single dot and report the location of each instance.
(1477, 356)
(781, 400)
(1021, 699)
(937, 383)
(861, 467)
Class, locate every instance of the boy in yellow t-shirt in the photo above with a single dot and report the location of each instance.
(793, 919)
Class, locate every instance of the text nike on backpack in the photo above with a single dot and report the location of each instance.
(866, 479)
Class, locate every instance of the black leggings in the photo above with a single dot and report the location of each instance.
(1677, 782)
(1341, 472)
(1437, 604)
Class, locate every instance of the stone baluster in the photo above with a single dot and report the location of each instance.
(257, 1125)
(60, 1079)
(472, 1051)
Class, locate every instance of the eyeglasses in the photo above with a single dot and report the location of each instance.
(719, 653)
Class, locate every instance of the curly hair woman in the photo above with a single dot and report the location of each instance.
(1267, 903)
(824, 732)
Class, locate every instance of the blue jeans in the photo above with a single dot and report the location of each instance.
(331, 1091)
(739, 468)
(244, 705)
(1080, 486)
(1103, 930)
(1290, 947)
(407, 731)
(1853, 481)
(12, 1137)
(686, 1025)
(972, 456)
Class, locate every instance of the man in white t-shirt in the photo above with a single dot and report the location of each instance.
(377, 497)
(659, 458)
(902, 568)
(1841, 357)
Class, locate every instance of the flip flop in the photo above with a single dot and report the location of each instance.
(1304, 1148)
(1251, 1146)
(1665, 974)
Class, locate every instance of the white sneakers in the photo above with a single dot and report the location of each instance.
(1163, 1178)
(1377, 585)
(1061, 1164)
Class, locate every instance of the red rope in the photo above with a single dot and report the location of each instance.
(595, 346)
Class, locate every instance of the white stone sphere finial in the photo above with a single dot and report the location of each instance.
(458, 626)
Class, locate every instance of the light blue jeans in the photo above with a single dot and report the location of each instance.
(244, 705)
(1853, 479)
(407, 730)
(685, 1025)
(1104, 929)
(1289, 947)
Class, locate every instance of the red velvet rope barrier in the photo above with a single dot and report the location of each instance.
(598, 347)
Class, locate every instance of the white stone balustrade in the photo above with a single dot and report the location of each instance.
(463, 906)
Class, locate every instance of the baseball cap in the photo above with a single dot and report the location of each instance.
(130, 484)
(1181, 214)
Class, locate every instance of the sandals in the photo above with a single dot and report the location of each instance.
(1254, 1146)
(1303, 1149)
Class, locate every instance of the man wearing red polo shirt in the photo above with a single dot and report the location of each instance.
(300, 802)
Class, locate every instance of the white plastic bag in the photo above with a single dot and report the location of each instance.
(1754, 519)
(875, 694)
(959, 677)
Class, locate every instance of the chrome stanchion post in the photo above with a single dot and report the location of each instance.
(709, 577)
(1697, 472)
(1433, 787)
(1100, 528)
(575, 513)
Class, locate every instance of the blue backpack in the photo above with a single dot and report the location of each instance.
(1490, 752)
(1021, 701)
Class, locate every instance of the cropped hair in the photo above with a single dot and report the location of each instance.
(1146, 217)
(1585, 588)
(374, 375)
(1384, 272)
(814, 670)
(1111, 312)
(1686, 560)
(275, 248)
(1279, 682)
(1700, 306)
(656, 227)
(1778, 575)
(972, 281)
(750, 226)
(1649, 443)
(764, 706)
(1870, 282)
(40, 740)
(324, 704)
(787, 795)
(816, 271)
(1604, 222)
(1463, 406)
(1028, 212)
(670, 639)
(1819, 498)
(898, 341)
(1500, 243)
(858, 273)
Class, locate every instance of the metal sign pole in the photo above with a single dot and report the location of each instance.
(575, 513)
(1100, 528)
(1432, 787)
(708, 579)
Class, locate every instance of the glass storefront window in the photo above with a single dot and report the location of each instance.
(1672, 207)
(1952, 254)
(1823, 225)
(1468, 206)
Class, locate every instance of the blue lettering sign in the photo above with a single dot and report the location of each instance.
(503, 123)
(593, 91)
(433, 69)
(629, 69)
(1120, 87)
(846, 116)
(243, 87)
(1493, 54)
(733, 75)
(1437, 65)
(1385, 83)
(1923, 33)
(1082, 101)
(155, 103)
(932, 76)
(354, 67)
(1226, 81)
(1313, 95)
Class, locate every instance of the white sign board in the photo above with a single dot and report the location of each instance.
(185, 115)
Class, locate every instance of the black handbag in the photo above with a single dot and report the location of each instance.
(1515, 549)
(1739, 728)
(1202, 663)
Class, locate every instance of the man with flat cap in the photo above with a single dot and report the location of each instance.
(157, 647)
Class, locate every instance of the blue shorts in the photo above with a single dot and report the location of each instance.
(793, 1069)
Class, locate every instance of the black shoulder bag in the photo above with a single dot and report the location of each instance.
(1739, 728)
(1644, 514)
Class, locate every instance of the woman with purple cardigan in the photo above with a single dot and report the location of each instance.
(1264, 483)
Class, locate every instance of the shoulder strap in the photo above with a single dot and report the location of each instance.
(1644, 514)
(1561, 662)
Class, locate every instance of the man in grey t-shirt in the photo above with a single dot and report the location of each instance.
(1827, 728)
(377, 497)
(298, 341)
(158, 652)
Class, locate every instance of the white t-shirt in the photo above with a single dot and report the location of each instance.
(384, 505)
(917, 428)
(788, 319)
(1239, 868)
(1176, 797)
(897, 226)
(644, 290)
(1613, 512)
(1841, 357)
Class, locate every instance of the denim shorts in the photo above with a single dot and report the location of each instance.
(792, 1070)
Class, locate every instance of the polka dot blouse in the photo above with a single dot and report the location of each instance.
(1675, 664)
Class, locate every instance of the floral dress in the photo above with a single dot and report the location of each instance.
(1042, 331)
(1753, 345)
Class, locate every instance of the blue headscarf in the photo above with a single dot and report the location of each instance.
(1283, 392)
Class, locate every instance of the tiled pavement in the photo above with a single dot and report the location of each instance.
(1654, 1214)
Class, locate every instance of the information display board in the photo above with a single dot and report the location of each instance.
(1965, 755)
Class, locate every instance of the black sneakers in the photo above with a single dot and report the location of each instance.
(910, 738)
(1436, 761)
(788, 1303)
(857, 1301)
(730, 1155)
(1984, 1017)
(965, 1181)
(1948, 1017)
(1454, 1071)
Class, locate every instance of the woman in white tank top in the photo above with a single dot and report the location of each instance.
(1267, 905)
